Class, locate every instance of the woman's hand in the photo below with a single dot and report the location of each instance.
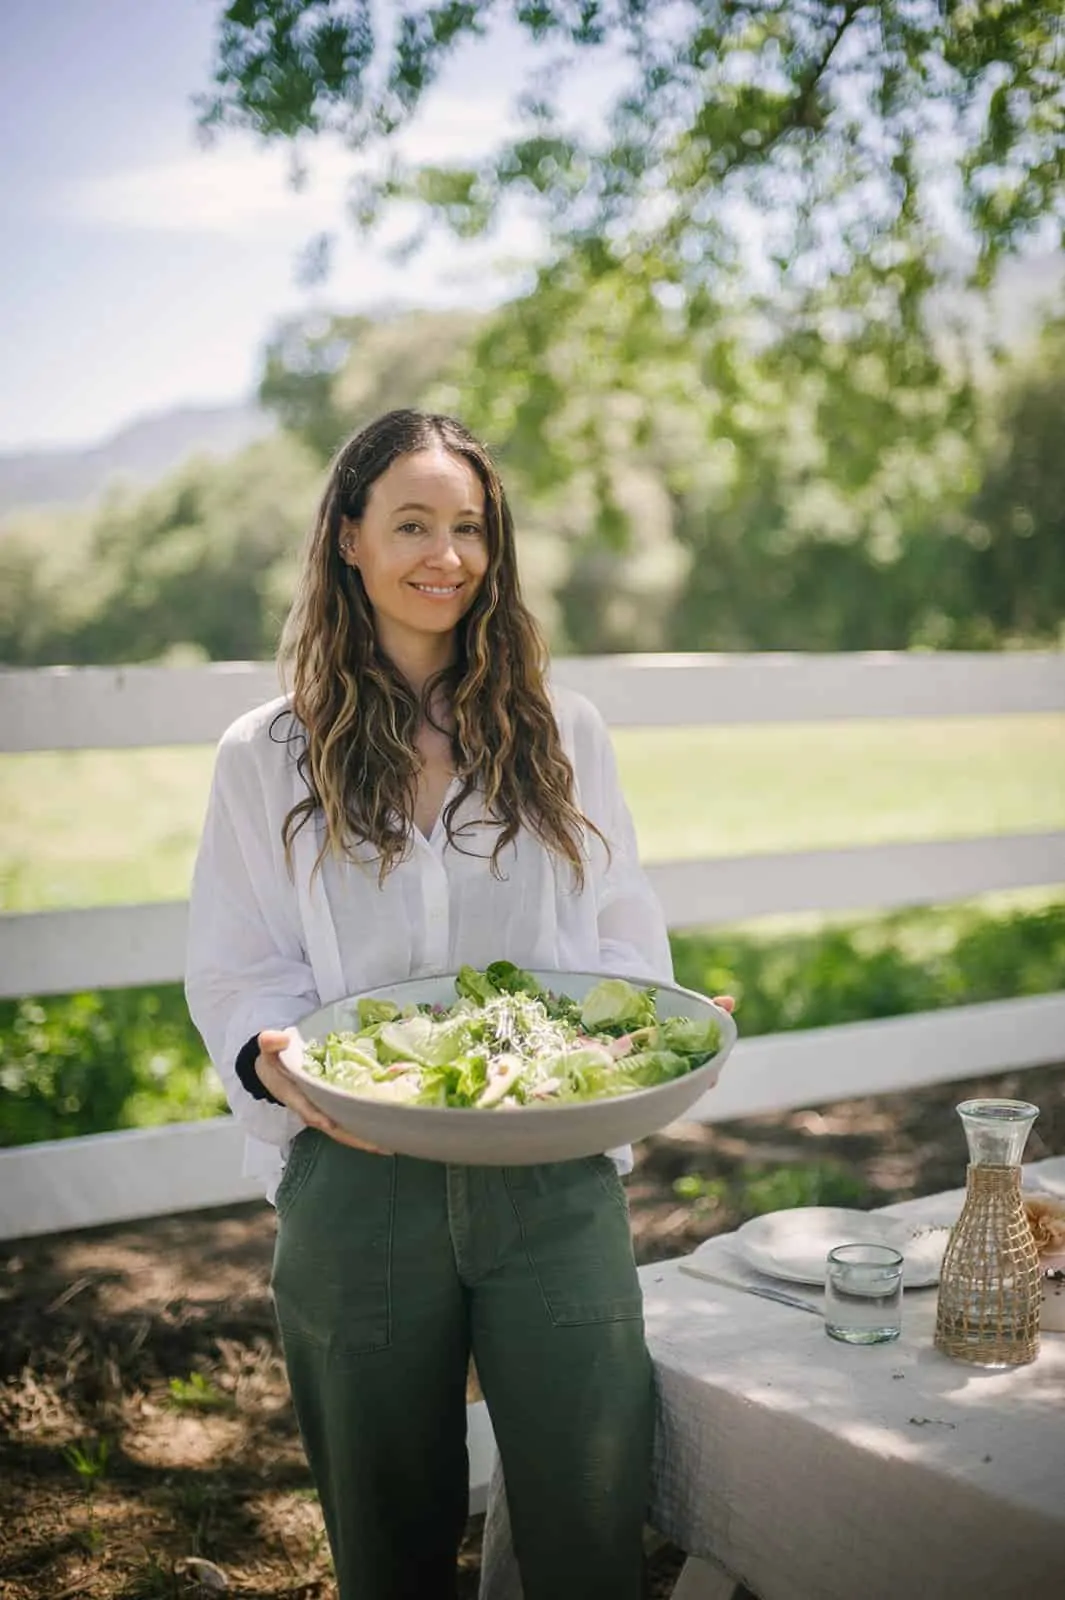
(725, 1001)
(275, 1076)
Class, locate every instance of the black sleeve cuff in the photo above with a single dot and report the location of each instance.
(249, 1078)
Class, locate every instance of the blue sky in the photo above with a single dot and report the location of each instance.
(139, 271)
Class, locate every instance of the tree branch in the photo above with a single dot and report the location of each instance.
(798, 114)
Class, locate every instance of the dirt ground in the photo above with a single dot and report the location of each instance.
(146, 1425)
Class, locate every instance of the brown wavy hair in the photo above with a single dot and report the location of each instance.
(358, 716)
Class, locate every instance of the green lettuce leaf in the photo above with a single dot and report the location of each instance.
(585, 1072)
(474, 985)
(422, 1039)
(470, 1080)
(690, 1036)
(345, 1048)
(375, 1011)
(646, 1068)
(613, 1003)
(509, 979)
(406, 1040)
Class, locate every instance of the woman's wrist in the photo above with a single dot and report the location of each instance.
(248, 1077)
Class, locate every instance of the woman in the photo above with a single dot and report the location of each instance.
(421, 801)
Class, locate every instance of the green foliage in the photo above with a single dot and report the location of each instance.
(89, 1461)
(754, 531)
(711, 443)
(742, 294)
(760, 103)
(774, 510)
(87, 1063)
(203, 563)
(326, 377)
(1012, 541)
(815, 1183)
(197, 1393)
(1024, 955)
(40, 607)
(752, 1191)
(704, 1195)
(906, 962)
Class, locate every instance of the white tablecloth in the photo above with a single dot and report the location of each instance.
(815, 1470)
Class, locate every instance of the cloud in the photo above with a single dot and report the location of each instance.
(237, 188)
(232, 190)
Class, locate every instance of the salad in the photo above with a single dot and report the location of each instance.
(508, 1042)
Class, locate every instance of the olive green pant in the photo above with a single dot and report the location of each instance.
(388, 1272)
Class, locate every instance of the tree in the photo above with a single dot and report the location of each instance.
(1012, 565)
(801, 107)
(773, 224)
(205, 559)
(326, 376)
(203, 562)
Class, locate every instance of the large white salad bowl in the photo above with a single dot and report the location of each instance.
(507, 1138)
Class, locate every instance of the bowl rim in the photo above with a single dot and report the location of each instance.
(464, 1113)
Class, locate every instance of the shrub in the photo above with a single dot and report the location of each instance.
(908, 961)
(87, 1063)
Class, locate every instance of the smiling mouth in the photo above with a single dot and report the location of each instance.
(439, 591)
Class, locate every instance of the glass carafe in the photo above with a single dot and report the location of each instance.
(989, 1288)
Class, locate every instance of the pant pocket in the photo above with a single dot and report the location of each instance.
(574, 1227)
(302, 1156)
(332, 1273)
(609, 1180)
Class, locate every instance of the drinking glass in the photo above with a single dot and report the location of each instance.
(863, 1293)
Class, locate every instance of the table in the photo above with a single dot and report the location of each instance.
(814, 1470)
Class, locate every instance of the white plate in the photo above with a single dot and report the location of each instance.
(793, 1244)
(469, 1137)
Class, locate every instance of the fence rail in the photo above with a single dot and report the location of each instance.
(83, 708)
(122, 1176)
(108, 947)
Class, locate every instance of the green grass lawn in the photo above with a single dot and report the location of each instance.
(737, 790)
(96, 828)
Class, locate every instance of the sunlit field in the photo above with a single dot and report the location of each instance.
(96, 827)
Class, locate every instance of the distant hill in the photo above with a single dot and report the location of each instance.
(144, 451)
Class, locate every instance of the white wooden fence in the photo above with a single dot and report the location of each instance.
(113, 1177)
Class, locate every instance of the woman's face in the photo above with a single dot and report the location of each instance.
(421, 546)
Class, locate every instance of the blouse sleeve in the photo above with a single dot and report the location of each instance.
(245, 968)
(633, 938)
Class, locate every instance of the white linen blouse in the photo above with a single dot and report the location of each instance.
(265, 947)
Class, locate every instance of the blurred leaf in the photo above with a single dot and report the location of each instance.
(818, 1183)
(891, 965)
(197, 1393)
(88, 1063)
(830, 167)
